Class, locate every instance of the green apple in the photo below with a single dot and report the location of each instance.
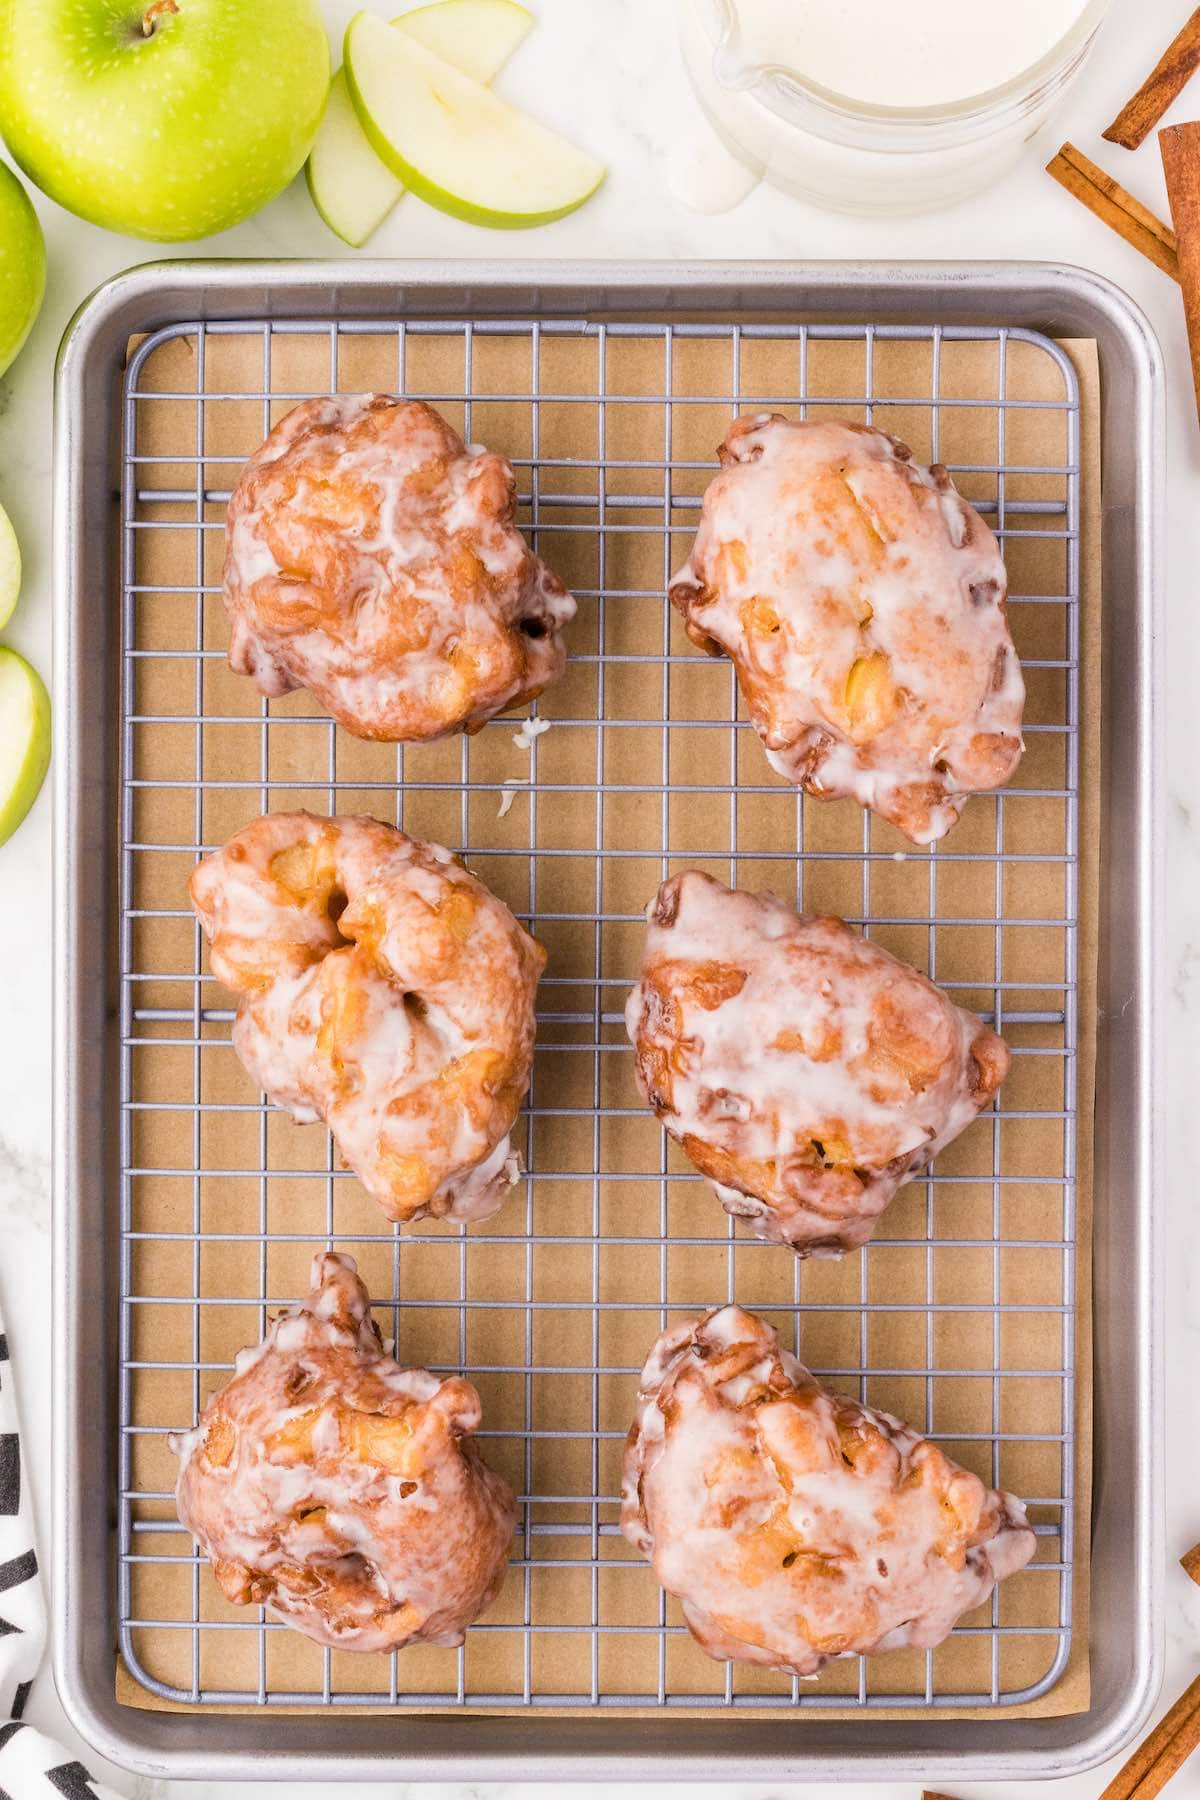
(24, 739)
(351, 189)
(453, 141)
(10, 569)
(22, 266)
(167, 119)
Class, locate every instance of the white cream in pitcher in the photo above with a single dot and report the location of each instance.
(870, 106)
(923, 53)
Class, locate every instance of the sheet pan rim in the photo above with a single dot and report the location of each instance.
(1066, 298)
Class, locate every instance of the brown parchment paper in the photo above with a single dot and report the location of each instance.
(258, 1188)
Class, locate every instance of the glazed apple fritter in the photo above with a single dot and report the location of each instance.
(804, 1070)
(795, 1525)
(342, 1491)
(862, 602)
(381, 988)
(373, 559)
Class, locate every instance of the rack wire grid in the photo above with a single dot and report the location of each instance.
(959, 1316)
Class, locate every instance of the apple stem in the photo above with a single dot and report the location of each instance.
(154, 12)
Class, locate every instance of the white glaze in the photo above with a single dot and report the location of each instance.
(844, 153)
(407, 1025)
(793, 1524)
(806, 1071)
(531, 730)
(924, 53)
(704, 177)
(373, 559)
(823, 548)
(409, 1549)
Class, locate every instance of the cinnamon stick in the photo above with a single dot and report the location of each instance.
(1116, 207)
(1163, 1753)
(1180, 146)
(1167, 78)
(1191, 1562)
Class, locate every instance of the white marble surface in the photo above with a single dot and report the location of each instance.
(607, 72)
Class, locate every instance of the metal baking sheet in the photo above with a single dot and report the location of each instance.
(569, 1638)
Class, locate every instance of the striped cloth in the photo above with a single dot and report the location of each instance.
(32, 1766)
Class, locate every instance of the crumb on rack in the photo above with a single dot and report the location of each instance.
(530, 730)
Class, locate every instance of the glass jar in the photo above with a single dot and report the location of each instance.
(855, 156)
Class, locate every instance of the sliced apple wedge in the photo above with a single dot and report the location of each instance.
(10, 569)
(350, 187)
(452, 141)
(24, 739)
(476, 36)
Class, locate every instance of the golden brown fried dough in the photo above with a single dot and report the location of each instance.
(862, 602)
(373, 559)
(381, 988)
(342, 1491)
(795, 1525)
(803, 1069)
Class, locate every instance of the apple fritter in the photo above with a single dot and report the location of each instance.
(340, 1490)
(862, 601)
(804, 1070)
(795, 1525)
(372, 558)
(381, 988)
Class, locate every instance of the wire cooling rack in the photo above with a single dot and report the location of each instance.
(959, 1316)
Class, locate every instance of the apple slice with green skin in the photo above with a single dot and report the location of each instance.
(24, 739)
(10, 569)
(22, 265)
(351, 189)
(452, 141)
(476, 36)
